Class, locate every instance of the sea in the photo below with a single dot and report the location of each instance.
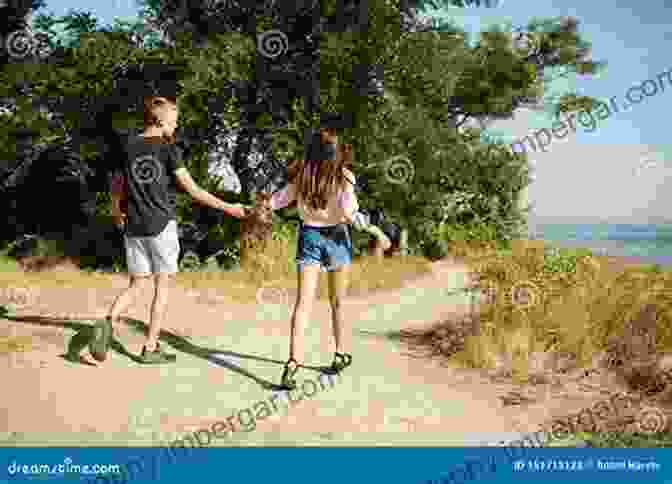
(648, 243)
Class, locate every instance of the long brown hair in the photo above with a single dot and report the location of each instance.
(317, 180)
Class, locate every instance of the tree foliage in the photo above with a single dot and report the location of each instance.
(408, 90)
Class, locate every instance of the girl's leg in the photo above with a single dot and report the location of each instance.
(338, 286)
(308, 277)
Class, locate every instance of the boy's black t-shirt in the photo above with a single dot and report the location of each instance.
(149, 165)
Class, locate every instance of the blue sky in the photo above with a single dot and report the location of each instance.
(623, 169)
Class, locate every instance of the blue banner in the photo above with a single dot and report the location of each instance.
(186, 465)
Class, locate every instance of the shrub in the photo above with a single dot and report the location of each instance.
(539, 299)
(190, 262)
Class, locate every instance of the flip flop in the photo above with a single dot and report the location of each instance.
(288, 382)
(341, 361)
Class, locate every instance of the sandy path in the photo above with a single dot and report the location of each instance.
(230, 352)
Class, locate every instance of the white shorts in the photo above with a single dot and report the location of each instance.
(154, 255)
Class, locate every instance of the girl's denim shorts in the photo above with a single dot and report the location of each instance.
(331, 247)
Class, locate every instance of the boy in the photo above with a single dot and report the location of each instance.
(152, 167)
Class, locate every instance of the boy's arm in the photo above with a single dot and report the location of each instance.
(117, 189)
(189, 185)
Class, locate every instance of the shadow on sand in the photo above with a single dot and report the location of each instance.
(84, 333)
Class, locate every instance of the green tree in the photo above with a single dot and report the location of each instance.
(433, 82)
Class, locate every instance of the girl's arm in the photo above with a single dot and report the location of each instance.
(284, 197)
(347, 200)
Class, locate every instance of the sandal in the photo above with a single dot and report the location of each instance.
(288, 381)
(341, 361)
(156, 357)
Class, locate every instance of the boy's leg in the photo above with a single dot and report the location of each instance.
(163, 284)
(126, 298)
(139, 271)
(164, 250)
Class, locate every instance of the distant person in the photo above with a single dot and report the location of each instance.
(394, 233)
(387, 236)
(144, 189)
(380, 242)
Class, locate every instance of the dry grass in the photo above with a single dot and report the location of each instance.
(15, 344)
(539, 326)
(275, 268)
(529, 311)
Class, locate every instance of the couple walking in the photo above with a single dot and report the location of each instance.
(149, 169)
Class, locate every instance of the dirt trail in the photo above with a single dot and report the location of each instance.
(227, 353)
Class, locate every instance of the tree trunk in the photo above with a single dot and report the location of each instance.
(256, 232)
(403, 243)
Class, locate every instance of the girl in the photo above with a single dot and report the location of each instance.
(323, 188)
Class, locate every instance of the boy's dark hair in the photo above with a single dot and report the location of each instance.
(337, 121)
(377, 216)
(393, 232)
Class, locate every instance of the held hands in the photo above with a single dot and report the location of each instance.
(238, 210)
(262, 204)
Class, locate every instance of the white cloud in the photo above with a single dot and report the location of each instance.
(592, 180)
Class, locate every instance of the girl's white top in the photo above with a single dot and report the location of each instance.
(341, 206)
